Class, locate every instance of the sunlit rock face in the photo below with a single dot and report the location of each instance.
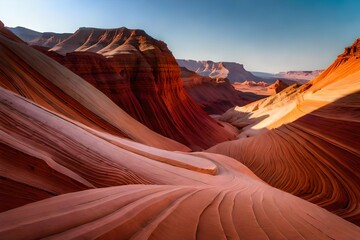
(141, 76)
(308, 135)
(49, 39)
(277, 87)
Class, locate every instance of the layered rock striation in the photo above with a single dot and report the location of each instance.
(308, 134)
(214, 95)
(141, 76)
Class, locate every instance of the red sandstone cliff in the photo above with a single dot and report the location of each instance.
(140, 75)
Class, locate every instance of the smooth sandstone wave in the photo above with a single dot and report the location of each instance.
(180, 202)
(309, 137)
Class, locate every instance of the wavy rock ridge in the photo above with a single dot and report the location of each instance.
(190, 196)
(311, 150)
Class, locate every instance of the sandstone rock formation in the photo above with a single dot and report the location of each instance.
(74, 165)
(235, 72)
(176, 195)
(141, 76)
(308, 136)
(166, 194)
(277, 87)
(49, 39)
(214, 95)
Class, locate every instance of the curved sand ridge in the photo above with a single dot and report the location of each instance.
(312, 150)
(181, 202)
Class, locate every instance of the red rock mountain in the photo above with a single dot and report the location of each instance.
(141, 76)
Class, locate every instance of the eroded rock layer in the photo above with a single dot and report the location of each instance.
(177, 195)
(312, 148)
(91, 182)
(33, 75)
(214, 95)
(141, 76)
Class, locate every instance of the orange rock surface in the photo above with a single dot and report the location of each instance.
(277, 87)
(309, 137)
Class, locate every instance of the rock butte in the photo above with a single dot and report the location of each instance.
(92, 174)
(277, 87)
(141, 76)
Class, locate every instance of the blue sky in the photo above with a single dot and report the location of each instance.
(264, 35)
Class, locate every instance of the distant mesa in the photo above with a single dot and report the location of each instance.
(300, 77)
(235, 72)
(214, 95)
(24, 33)
(253, 83)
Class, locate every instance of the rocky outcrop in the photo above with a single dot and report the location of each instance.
(141, 76)
(310, 150)
(48, 39)
(235, 72)
(214, 95)
(277, 87)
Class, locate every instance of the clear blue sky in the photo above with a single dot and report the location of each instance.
(264, 35)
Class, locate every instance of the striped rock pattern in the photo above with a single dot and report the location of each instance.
(309, 138)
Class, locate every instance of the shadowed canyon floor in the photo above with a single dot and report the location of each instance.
(74, 164)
